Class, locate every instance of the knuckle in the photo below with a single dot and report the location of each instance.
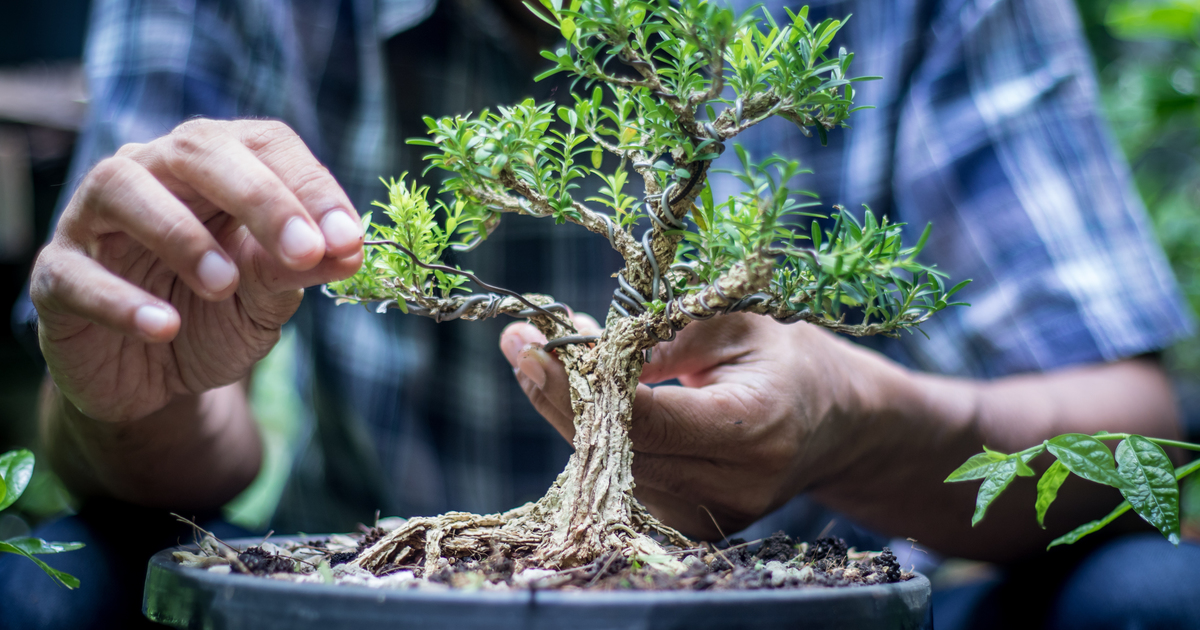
(310, 178)
(263, 134)
(180, 237)
(263, 193)
(130, 150)
(47, 280)
(193, 138)
(195, 125)
(109, 175)
(108, 172)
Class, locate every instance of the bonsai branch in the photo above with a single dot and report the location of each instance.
(446, 269)
(596, 222)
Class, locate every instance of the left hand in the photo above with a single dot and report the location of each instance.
(764, 411)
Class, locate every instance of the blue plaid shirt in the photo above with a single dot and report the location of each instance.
(986, 124)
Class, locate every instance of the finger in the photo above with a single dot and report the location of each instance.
(120, 195)
(700, 348)
(696, 492)
(219, 167)
(673, 420)
(282, 150)
(68, 283)
(692, 519)
(540, 375)
(586, 324)
(274, 279)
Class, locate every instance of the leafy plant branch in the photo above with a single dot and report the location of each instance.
(16, 470)
(1140, 470)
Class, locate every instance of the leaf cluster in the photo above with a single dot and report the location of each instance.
(1140, 470)
(424, 229)
(651, 76)
(16, 469)
(853, 265)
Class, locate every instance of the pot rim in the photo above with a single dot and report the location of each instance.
(163, 561)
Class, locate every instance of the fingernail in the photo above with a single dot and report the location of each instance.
(298, 239)
(530, 367)
(151, 319)
(216, 272)
(511, 346)
(340, 230)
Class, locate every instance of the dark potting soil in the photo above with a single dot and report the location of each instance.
(259, 562)
(776, 562)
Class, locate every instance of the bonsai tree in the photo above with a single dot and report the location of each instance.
(662, 86)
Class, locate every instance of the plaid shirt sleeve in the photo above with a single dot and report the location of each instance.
(1001, 145)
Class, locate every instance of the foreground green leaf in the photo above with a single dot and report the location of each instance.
(39, 546)
(978, 467)
(1089, 458)
(1074, 535)
(66, 579)
(1047, 489)
(16, 469)
(1154, 494)
(995, 483)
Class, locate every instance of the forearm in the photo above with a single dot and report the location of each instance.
(929, 425)
(197, 452)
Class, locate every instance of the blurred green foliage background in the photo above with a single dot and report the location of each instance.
(1148, 58)
(1147, 55)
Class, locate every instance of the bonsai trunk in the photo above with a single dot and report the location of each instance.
(591, 505)
(589, 512)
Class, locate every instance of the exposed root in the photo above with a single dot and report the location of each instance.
(588, 513)
(521, 534)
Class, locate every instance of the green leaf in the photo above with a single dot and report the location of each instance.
(1151, 20)
(1023, 469)
(39, 546)
(995, 483)
(978, 467)
(1087, 528)
(66, 579)
(16, 469)
(1089, 458)
(326, 573)
(1047, 489)
(567, 28)
(1155, 493)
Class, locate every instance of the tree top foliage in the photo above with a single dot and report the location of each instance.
(662, 86)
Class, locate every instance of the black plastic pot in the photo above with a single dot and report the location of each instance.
(194, 598)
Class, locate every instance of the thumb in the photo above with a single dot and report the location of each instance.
(700, 348)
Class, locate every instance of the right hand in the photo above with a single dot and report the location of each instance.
(176, 263)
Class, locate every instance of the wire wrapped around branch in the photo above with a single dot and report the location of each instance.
(446, 269)
(471, 308)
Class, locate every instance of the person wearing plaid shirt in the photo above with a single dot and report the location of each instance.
(986, 124)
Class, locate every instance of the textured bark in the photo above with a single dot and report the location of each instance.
(590, 505)
(589, 511)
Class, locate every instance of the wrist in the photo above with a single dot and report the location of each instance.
(893, 412)
(198, 451)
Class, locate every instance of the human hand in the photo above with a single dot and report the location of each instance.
(176, 263)
(764, 411)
